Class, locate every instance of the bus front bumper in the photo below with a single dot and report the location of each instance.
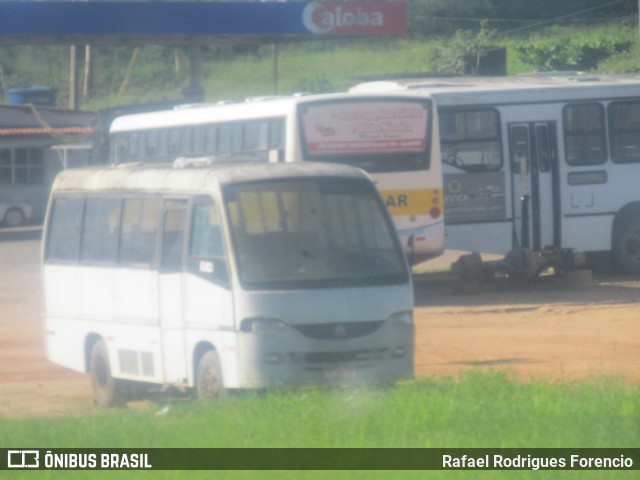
(289, 358)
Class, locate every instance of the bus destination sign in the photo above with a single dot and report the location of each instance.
(358, 128)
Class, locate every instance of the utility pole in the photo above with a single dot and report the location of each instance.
(275, 67)
(88, 73)
(195, 92)
(73, 78)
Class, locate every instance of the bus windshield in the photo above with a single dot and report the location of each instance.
(309, 233)
(377, 136)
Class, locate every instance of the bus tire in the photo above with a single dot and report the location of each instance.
(14, 217)
(626, 246)
(107, 391)
(209, 383)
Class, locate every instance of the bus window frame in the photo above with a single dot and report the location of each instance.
(113, 256)
(611, 133)
(569, 134)
(497, 140)
(151, 264)
(230, 196)
(171, 205)
(214, 268)
(74, 253)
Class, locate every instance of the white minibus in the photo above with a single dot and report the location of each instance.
(224, 277)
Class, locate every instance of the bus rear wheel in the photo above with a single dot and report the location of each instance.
(626, 249)
(14, 217)
(209, 384)
(107, 391)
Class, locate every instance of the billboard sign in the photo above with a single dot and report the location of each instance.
(355, 18)
(25, 21)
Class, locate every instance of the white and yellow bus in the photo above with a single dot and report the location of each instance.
(224, 277)
(394, 137)
(539, 161)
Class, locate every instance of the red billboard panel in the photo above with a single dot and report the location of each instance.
(356, 18)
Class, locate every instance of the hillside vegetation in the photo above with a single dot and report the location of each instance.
(444, 38)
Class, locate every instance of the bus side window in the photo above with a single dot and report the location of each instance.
(100, 230)
(151, 146)
(256, 140)
(172, 240)
(230, 139)
(276, 140)
(224, 139)
(187, 142)
(63, 242)
(163, 145)
(174, 146)
(471, 139)
(624, 125)
(276, 134)
(199, 140)
(138, 230)
(584, 134)
(210, 140)
(119, 150)
(236, 138)
(134, 152)
(206, 248)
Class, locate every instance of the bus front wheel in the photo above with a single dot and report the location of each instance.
(209, 382)
(626, 249)
(107, 391)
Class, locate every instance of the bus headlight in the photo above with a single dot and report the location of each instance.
(402, 318)
(261, 325)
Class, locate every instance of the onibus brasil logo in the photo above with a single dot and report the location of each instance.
(23, 459)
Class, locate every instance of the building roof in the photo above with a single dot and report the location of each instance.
(20, 121)
(20, 132)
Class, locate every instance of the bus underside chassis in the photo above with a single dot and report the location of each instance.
(522, 266)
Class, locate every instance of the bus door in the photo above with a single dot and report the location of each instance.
(534, 152)
(170, 291)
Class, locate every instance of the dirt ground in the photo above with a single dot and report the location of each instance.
(546, 331)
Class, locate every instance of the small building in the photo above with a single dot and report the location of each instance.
(28, 163)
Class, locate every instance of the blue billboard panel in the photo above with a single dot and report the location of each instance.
(139, 19)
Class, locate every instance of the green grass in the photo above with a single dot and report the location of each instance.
(480, 410)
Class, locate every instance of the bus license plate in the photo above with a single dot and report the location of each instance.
(341, 373)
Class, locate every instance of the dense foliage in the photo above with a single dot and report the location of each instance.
(445, 17)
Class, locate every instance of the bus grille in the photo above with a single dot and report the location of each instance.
(323, 359)
(338, 331)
